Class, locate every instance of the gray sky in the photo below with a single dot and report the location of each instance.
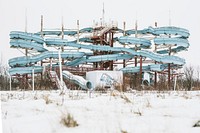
(184, 13)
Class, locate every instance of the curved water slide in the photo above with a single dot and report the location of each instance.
(184, 33)
(29, 40)
(22, 61)
(143, 53)
(168, 30)
(32, 41)
(177, 44)
(58, 32)
(25, 70)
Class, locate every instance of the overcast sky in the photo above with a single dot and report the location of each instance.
(184, 13)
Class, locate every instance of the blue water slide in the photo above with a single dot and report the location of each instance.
(169, 30)
(66, 32)
(86, 39)
(152, 67)
(27, 44)
(133, 31)
(143, 53)
(174, 50)
(134, 69)
(172, 41)
(26, 36)
(22, 61)
(136, 41)
(99, 58)
(178, 41)
(85, 84)
(25, 70)
(86, 30)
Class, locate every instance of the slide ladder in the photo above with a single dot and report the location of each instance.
(54, 78)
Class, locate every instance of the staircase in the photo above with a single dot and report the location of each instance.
(54, 79)
(104, 30)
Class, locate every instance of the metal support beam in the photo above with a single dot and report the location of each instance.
(62, 48)
(135, 73)
(155, 73)
(124, 29)
(169, 76)
(140, 69)
(77, 31)
(60, 67)
(33, 80)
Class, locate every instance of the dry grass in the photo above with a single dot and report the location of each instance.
(47, 99)
(138, 112)
(197, 124)
(123, 131)
(123, 96)
(68, 120)
(148, 104)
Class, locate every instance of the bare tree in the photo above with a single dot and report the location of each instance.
(4, 80)
(162, 82)
(189, 73)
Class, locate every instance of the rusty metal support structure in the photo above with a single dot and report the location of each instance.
(155, 78)
(169, 69)
(135, 73)
(124, 61)
(169, 76)
(140, 69)
(111, 34)
(155, 73)
(136, 50)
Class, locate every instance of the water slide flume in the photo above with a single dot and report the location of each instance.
(24, 65)
(143, 53)
(84, 84)
(22, 61)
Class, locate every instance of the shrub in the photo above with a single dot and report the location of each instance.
(68, 120)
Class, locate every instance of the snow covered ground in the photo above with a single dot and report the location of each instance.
(136, 112)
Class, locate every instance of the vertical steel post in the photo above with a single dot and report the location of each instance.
(26, 50)
(136, 56)
(169, 74)
(155, 73)
(62, 36)
(33, 80)
(124, 27)
(41, 30)
(140, 69)
(60, 67)
(77, 31)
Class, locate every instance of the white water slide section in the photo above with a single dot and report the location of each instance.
(85, 84)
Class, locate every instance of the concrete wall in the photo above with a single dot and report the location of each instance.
(104, 78)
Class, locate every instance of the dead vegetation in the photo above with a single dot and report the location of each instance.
(68, 120)
(123, 131)
(47, 99)
(138, 112)
(197, 124)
